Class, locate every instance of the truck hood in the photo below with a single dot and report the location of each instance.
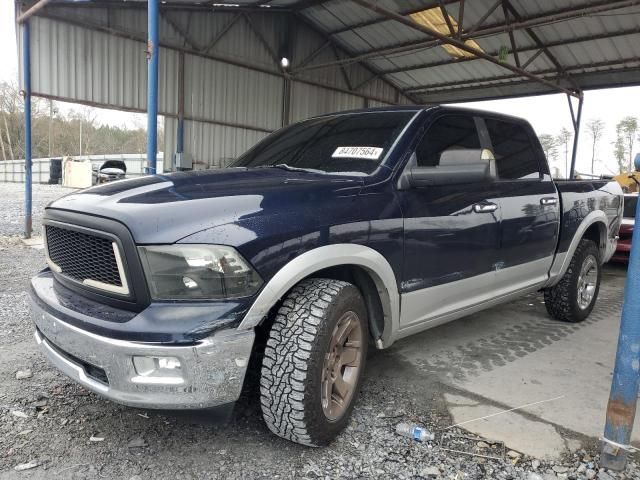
(167, 208)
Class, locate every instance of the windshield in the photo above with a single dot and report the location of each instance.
(630, 202)
(349, 143)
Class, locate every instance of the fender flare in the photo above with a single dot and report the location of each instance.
(324, 257)
(562, 260)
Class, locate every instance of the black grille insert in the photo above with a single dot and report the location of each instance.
(82, 256)
(90, 370)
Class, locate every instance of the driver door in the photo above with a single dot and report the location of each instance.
(451, 232)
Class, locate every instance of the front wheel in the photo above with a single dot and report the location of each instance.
(313, 361)
(573, 298)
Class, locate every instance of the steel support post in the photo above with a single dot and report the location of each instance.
(621, 410)
(286, 101)
(153, 46)
(26, 78)
(180, 130)
(576, 132)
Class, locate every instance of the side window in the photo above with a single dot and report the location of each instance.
(515, 154)
(450, 132)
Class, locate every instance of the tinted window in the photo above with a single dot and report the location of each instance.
(341, 143)
(630, 202)
(451, 132)
(515, 154)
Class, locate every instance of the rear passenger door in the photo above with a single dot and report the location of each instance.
(529, 204)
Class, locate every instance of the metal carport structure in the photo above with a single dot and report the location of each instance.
(225, 74)
(222, 85)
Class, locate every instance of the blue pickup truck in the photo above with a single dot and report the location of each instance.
(339, 233)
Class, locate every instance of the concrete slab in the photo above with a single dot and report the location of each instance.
(536, 438)
(34, 242)
(515, 355)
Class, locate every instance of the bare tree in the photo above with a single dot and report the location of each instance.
(56, 134)
(595, 127)
(10, 106)
(619, 150)
(549, 145)
(563, 139)
(627, 128)
(4, 152)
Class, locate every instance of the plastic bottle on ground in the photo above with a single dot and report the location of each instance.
(418, 433)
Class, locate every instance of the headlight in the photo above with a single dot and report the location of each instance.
(197, 272)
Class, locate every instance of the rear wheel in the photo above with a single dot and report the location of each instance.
(575, 295)
(313, 361)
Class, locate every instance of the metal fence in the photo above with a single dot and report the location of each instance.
(13, 170)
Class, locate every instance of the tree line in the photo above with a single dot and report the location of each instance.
(561, 144)
(56, 134)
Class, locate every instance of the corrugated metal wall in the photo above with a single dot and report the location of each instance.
(210, 145)
(97, 56)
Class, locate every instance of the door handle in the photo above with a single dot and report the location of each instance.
(486, 207)
(548, 201)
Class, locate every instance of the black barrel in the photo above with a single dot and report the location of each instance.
(55, 171)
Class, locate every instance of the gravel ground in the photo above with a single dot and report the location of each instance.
(12, 211)
(59, 430)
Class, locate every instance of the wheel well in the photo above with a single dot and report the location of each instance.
(598, 233)
(362, 279)
(357, 275)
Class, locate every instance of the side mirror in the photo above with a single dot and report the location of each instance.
(456, 167)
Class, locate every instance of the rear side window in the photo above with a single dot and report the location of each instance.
(514, 152)
(451, 132)
(630, 202)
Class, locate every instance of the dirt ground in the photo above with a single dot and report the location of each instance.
(62, 431)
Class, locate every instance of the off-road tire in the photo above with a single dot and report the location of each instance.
(561, 300)
(293, 362)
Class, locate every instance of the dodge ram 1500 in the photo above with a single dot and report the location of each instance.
(330, 235)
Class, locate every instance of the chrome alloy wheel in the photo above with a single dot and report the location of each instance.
(341, 368)
(587, 282)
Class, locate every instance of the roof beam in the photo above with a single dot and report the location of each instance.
(539, 43)
(349, 59)
(459, 44)
(524, 88)
(221, 33)
(261, 38)
(485, 82)
(366, 80)
(495, 29)
(445, 15)
(460, 18)
(209, 6)
(35, 8)
(374, 21)
(532, 58)
(185, 38)
(309, 58)
(307, 4)
(537, 51)
(345, 75)
(512, 38)
(484, 17)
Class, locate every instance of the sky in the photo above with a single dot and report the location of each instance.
(547, 113)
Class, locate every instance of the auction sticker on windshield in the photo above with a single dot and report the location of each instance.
(369, 153)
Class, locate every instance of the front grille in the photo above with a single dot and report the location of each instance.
(82, 256)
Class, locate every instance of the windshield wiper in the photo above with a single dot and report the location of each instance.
(289, 168)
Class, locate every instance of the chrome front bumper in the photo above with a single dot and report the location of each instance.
(211, 371)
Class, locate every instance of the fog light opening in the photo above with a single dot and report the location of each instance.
(158, 370)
